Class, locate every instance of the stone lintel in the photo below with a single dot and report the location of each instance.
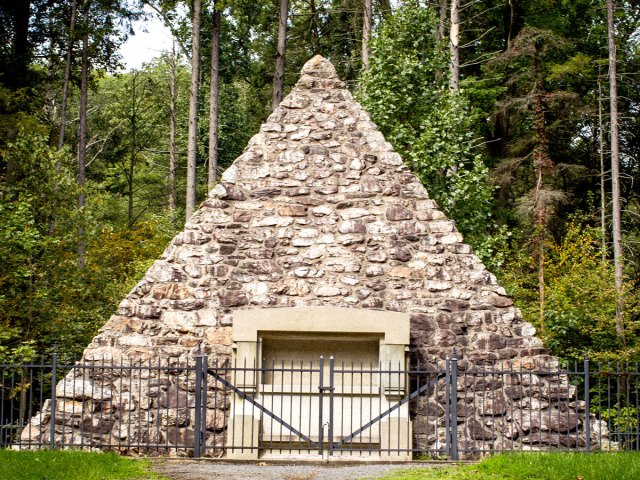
(393, 325)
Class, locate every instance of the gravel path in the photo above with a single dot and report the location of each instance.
(246, 471)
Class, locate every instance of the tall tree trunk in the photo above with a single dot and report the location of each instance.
(193, 111)
(442, 20)
(541, 289)
(454, 46)
(315, 28)
(134, 148)
(82, 134)
(67, 75)
(173, 90)
(542, 165)
(278, 77)
(366, 32)
(512, 16)
(615, 177)
(213, 97)
(603, 198)
(49, 108)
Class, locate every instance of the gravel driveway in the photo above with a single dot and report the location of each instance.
(182, 470)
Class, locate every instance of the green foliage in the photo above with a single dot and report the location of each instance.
(39, 181)
(579, 295)
(432, 129)
(44, 298)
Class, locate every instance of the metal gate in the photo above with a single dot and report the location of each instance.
(323, 409)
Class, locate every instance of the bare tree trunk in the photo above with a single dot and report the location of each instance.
(615, 177)
(315, 28)
(133, 153)
(82, 134)
(541, 291)
(67, 75)
(442, 17)
(193, 111)
(366, 32)
(278, 78)
(172, 131)
(49, 107)
(603, 198)
(510, 33)
(213, 97)
(542, 164)
(454, 46)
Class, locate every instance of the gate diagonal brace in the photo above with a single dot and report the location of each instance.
(264, 410)
(391, 409)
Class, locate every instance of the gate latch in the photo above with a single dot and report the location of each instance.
(326, 389)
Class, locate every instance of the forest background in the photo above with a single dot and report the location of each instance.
(503, 108)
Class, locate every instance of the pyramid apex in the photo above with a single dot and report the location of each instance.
(319, 66)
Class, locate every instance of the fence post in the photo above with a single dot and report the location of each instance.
(587, 415)
(320, 406)
(198, 406)
(447, 407)
(54, 381)
(454, 406)
(203, 429)
(331, 389)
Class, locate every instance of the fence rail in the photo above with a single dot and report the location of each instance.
(453, 409)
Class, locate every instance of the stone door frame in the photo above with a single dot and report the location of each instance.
(249, 326)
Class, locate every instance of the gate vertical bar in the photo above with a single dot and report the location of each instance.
(54, 381)
(447, 406)
(198, 408)
(454, 406)
(203, 429)
(320, 405)
(587, 414)
(331, 389)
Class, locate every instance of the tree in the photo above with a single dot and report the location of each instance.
(67, 75)
(366, 32)
(278, 77)
(213, 96)
(454, 47)
(173, 160)
(192, 149)
(82, 135)
(524, 63)
(433, 130)
(615, 175)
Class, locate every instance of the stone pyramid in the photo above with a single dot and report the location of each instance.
(320, 211)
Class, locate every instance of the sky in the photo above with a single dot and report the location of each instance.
(150, 39)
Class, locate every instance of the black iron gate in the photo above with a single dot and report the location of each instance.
(351, 406)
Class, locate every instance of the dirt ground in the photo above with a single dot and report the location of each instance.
(206, 470)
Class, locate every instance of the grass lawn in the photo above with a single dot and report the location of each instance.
(71, 465)
(535, 466)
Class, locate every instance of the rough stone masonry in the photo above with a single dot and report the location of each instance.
(320, 211)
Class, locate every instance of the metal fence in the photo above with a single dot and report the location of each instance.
(199, 408)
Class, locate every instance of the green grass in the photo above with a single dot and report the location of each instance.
(71, 465)
(535, 466)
